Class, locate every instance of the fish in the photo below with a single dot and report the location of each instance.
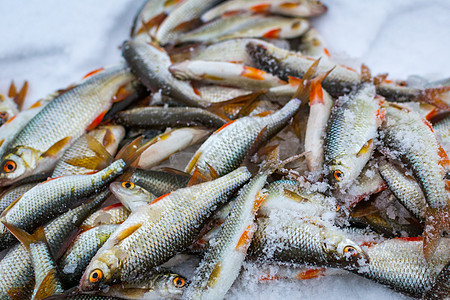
(161, 117)
(283, 63)
(223, 259)
(229, 145)
(170, 142)
(16, 271)
(441, 286)
(37, 147)
(400, 264)
(405, 189)
(152, 235)
(350, 135)
(8, 109)
(305, 241)
(132, 196)
(112, 214)
(181, 17)
(409, 138)
(270, 28)
(296, 8)
(46, 200)
(225, 73)
(10, 195)
(80, 252)
(313, 44)
(157, 285)
(108, 136)
(150, 64)
(159, 182)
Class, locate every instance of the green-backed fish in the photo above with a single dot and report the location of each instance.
(159, 182)
(132, 196)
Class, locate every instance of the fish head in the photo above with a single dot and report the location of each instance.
(102, 272)
(130, 194)
(182, 71)
(343, 172)
(317, 8)
(17, 165)
(170, 285)
(343, 252)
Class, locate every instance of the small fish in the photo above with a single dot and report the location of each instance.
(158, 182)
(80, 252)
(295, 8)
(37, 147)
(350, 136)
(161, 117)
(229, 145)
(132, 196)
(181, 17)
(401, 265)
(225, 73)
(168, 143)
(411, 139)
(151, 64)
(223, 260)
(152, 235)
(46, 200)
(158, 285)
(108, 136)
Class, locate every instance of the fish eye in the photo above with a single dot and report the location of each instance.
(128, 185)
(179, 282)
(338, 175)
(95, 276)
(351, 251)
(3, 115)
(9, 166)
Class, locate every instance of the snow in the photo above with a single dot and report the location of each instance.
(54, 43)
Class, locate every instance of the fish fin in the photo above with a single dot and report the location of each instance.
(316, 90)
(240, 99)
(131, 151)
(272, 34)
(253, 73)
(121, 94)
(248, 107)
(12, 92)
(105, 158)
(311, 70)
(365, 148)
(155, 21)
(436, 222)
(294, 196)
(19, 98)
(185, 26)
(108, 138)
(159, 198)
(435, 96)
(126, 233)
(193, 162)
(245, 239)
(215, 274)
(24, 237)
(36, 104)
(197, 178)
(212, 172)
(1, 142)
(260, 198)
(223, 126)
(57, 147)
(47, 286)
(257, 143)
(175, 171)
(366, 76)
(311, 273)
(260, 8)
(97, 121)
(93, 72)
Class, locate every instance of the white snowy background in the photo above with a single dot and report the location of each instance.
(53, 43)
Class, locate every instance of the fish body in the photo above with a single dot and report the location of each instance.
(10, 195)
(298, 8)
(112, 214)
(230, 74)
(132, 196)
(158, 182)
(350, 135)
(223, 260)
(108, 136)
(46, 200)
(37, 147)
(401, 265)
(152, 235)
(227, 147)
(151, 65)
(159, 117)
(168, 143)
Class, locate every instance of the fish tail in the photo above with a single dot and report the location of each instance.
(24, 237)
(435, 96)
(436, 222)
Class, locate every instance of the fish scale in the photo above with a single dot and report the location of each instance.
(158, 182)
(9, 196)
(152, 235)
(47, 199)
(227, 147)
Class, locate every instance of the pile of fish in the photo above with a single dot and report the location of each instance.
(228, 136)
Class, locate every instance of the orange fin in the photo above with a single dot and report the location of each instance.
(213, 173)
(435, 96)
(12, 90)
(260, 8)
(223, 126)
(101, 160)
(187, 25)
(20, 97)
(36, 104)
(316, 94)
(97, 120)
(272, 34)
(25, 238)
(253, 73)
(197, 177)
(127, 232)
(159, 198)
(155, 21)
(311, 273)
(93, 72)
(245, 239)
(258, 201)
(57, 147)
(366, 76)
(193, 162)
(436, 222)
(121, 94)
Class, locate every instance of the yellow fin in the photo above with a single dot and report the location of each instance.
(365, 148)
(244, 240)
(25, 238)
(212, 280)
(57, 147)
(48, 286)
(193, 162)
(127, 232)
